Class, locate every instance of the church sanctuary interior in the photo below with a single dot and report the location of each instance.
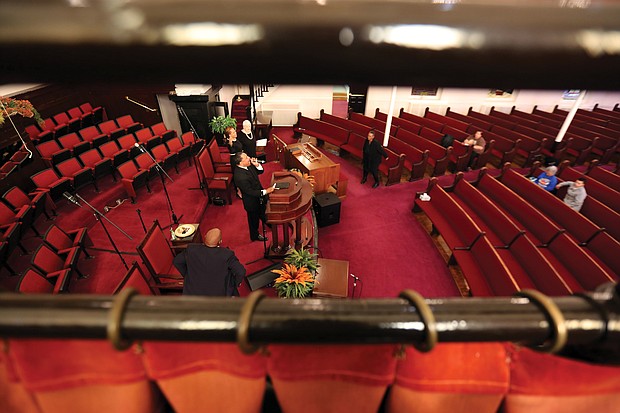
(458, 284)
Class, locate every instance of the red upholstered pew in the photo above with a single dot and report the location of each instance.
(438, 156)
(485, 272)
(608, 178)
(321, 130)
(577, 225)
(594, 188)
(526, 262)
(400, 122)
(416, 160)
(425, 122)
(577, 267)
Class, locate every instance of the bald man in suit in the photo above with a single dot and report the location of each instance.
(210, 269)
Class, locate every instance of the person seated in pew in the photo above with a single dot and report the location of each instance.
(478, 144)
(209, 269)
(576, 193)
(547, 180)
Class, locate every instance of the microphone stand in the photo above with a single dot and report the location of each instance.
(201, 184)
(98, 216)
(141, 220)
(355, 280)
(159, 169)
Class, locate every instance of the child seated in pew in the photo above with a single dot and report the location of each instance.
(547, 179)
(576, 193)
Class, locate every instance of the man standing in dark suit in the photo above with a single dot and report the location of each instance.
(252, 193)
(372, 154)
(208, 268)
(247, 139)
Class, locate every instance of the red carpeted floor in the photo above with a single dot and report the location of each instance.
(378, 234)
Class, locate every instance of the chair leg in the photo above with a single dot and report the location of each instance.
(21, 247)
(87, 254)
(79, 273)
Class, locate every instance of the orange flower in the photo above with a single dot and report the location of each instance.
(293, 282)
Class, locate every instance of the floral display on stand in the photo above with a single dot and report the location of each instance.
(296, 278)
(10, 107)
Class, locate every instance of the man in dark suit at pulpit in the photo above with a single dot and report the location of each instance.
(254, 196)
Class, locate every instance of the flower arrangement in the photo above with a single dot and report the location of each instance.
(10, 107)
(293, 282)
(296, 278)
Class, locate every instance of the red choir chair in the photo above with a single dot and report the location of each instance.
(453, 377)
(146, 138)
(83, 376)
(33, 282)
(74, 143)
(12, 235)
(126, 122)
(219, 163)
(40, 201)
(135, 278)
(111, 150)
(97, 113)
(63, 118)
(166, 158)
(157, 256)
(336, 378)
(7, 168)
(188, 138)
(132, 179)
(201, 377)
(145, 163)
(57, 267)
(110, 128)
(48, 181)
(183, 151)
(78, 174)
(128, 143)
(91, 134)
(98, 165)
(33, 132)
(52, 152)
(56, 130)
(545, 383)
(48, 125)
(25, 215)
(63, 241)
(214, 181)
(86, 119)
(160, 129)
(20, 156)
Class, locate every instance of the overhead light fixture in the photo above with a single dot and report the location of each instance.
(211, 34)
(424, 36)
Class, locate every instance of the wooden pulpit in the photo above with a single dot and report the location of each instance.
(285, 213)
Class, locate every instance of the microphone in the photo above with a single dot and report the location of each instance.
(137, 145)
(260, 161)
(71, 198)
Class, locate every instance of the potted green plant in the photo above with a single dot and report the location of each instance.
(302, 258)
(218, 126)
(219, 123)
(297, 276)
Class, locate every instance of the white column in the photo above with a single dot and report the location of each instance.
(388, 122)
(570, 116)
